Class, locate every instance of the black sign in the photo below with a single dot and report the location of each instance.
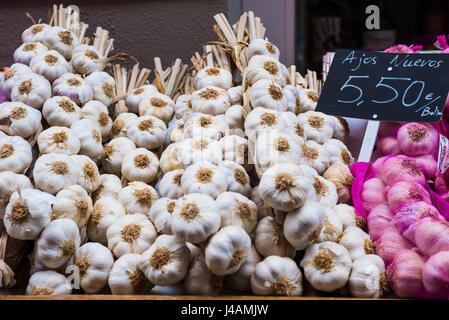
(386, 86)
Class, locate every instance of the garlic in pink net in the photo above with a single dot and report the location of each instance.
(388, 145)
(442, 183)
(436, 275)
(401, 168)
(379, 219)
(417, 139)
(432, 236)
(389, 243)
(372, 194)
(402, 48)
(428, 166)
(403, 191)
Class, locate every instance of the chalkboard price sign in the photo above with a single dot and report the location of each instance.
(386, 86)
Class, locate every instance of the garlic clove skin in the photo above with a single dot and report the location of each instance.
(267, 94)
(58, 140)
(73, 203)
(183, 106)
(270, 239)
(204, 177)
(158, 105)
(110, 186)
(62, 40)
(15, 154)
(8, 78)
(132, 233)
(348, 216)
(314, 155)
(308, 100)
(341, 129)
(338, 152)
(332, 228)
(368, 278)
(90, 138)
(200, 280)
(61, 111)
(140, 165)
(212, 76)
(262, 47)
(133, 99)
(114, 152)
(199, 149)
(27, 51)
(237, 210)
(170, 184)
(25, 120)
(235, 116)
(103, 85)
(278, 276)
(35, 33)
(125, 276)
(237, 178)
(147, 132)
(161, 213)
(94, 263)
(45, 283)
(121, 124)
(31, 89)
(264, 67)
(357, 242)
(58, 242)
(166, 262)
(342, 178)
(303, 226)
(204, 125)
(373, 194)
(50, 64)
(106, 211)
(10, 182)
(327, 266)
(379, 219)
(89, 176)
(227, 250)
(236, 95)
(98, 113)
(324, 192)
(261, 119)
(235, 148)
(87, 59)
(75, 87)
(177, 133)
(169, 159)
(210, 100)
(137, 197)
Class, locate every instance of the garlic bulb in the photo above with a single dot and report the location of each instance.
(255, 197)
(169, 158)
(94, 262)
(199, 149)
(53, 172)
(260, 119)
(235, 117)
(73, 203)
(332, 228)
(114, 152)
(161, 214)
(121, 124)
(341, 130)
(416, 139)
(90, 138)
(137, 197)
(379, 219)
(204, 177)
(61, 111)
(338, 152)
(170, 184)
(177, 132)
(227, 250)
(50, 64)
(278, 276)
(103, 85)
(126, 277)
(87, 59)
(97, 112)
(210, 100)
(15, 154)
(308, 99)
(237, 210)
(49, 282)
(75, 87)
(58, 140)
(166, 262)
(31, 89)
(211, 76)
(326, 266)
(206, 126)
(270, 240)
(241, 280)
(200, 280)
(147, 132)
(183, 107)
(89, 177)
(158, 105)
(134, 97)
(292, 99)
(10, 182)
(35, 32)
(195, 218)
(303, 226)
(106, 211)
(58, 242)
(25, 120)
(368, 278)
(323, 191)
(264, 67)
(235, 148)
(262, 47)
(342, 178)
(284, 187)
(348, 217)
(140, 165)
(274, 147)
(110, 186)
(267, 94)
(62, 40)
(8, 78)
(27, 51)
(237, 178)
(236, 95)
(357, 242)
(315, 156)
(317, 126)
(28, 213)
(132, 233)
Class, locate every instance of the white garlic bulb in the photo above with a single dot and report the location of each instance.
(25, 120)
(170, 184)
(235, 117)
(132, 233)
(133, 99)
(97, 113)
(332, 228)
(260, 119)
(303, 226)
(199, 149)
(348, 216)
(314, 155)
(323, 191)
(50, 64)
(147, 132)
(110, 186)
(264, 67)
(10, 182)
(200, 280)
(158, 105)
(292, 99)
(262, 47)
(121, 124)
(44, 283)
(75, 87)
(166, 262)
(87, 59)
(278, 276)
(58, 242)
(237, 210)
(8, 78)
(270, 240)
(27, 51)
(204, 177)
(308, 99)
(236, 95)
(89, 175)
(31, 89)
(206, 126)
(368, 278)
(338, 152)
(235, 148)
(267, 94)
(62, 40)
(126, 277)
(241, 280)
(103, 85)
(195, 218)
(114, 152)
(15, 154)
(212, 76)
(35, 32)
(326, 266)
(94, 263)
(53, 172)
(61, 111)
(58, 140)
(74, 203)
(210, 100)
(183, 106)
(28, 213)
(227, 250)
(137, 197)
(317, 126)
(140, 165)
(106, 211)
(161, 214)
(341, 130)
(237, 178)
(255, 197)
(169, 158)
(284, 186)
(177, 132)
(89, 136)
(357, 242)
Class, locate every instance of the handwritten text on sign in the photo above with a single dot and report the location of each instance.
(386, 86)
